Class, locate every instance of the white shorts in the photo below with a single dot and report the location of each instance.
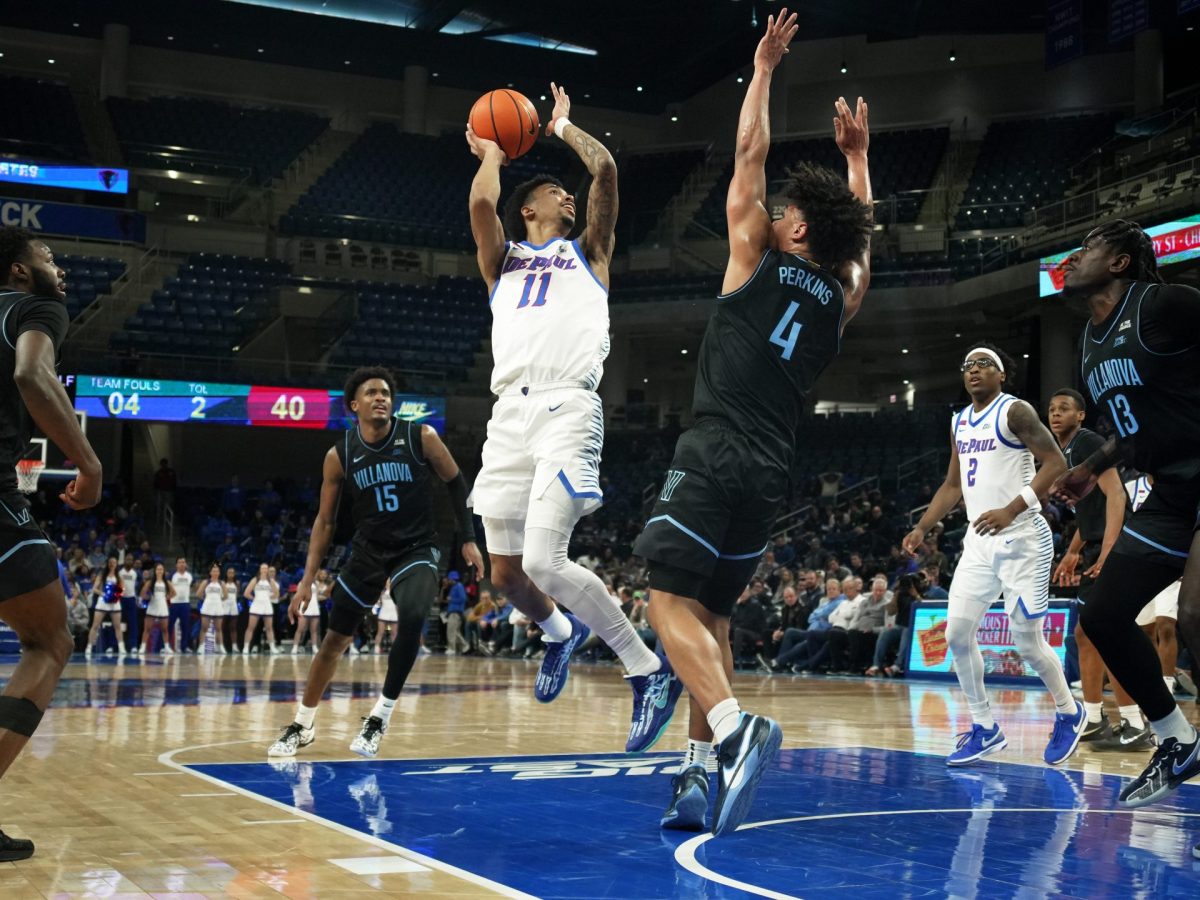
(103, 607)
(387, 610)
(158, 609)
(212, 607)
(541, 460)
(1016, 563)
(1164, 606)
(229, 607)
(261, 608)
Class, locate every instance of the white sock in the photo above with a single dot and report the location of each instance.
(1095, 711)
(723, 719)
(1170, 680)
(305, 714)
(981, 714)
(383, 708)
(1133, 715)
(547, 564)
(557, 627)
(698, 754)
(1175, 726)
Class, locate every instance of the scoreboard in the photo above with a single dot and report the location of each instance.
(158, 400)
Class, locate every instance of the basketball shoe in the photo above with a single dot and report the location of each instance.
(12, 849)
(556, 664)
(654, 699)
(741, 760)
(689, 800)
(293, 738)
(976, 744)
(1065, 737)
(1173, 763)
(367, 742)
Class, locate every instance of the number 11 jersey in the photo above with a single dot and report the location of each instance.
(549, 317)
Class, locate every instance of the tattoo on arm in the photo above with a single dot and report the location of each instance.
(602, 197)
(1024, 423)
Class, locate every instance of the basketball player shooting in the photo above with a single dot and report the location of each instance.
(789, 289)
(541, 460)
(33, 323)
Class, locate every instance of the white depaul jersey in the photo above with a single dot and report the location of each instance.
(549, 317)
(1138, 490)
(993, 463)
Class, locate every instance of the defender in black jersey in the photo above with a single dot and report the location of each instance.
(1140, 358)
(1098, 520)
(382, 467)
(790, 287)
(33, 322)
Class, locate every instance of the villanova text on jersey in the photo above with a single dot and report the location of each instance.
(1112, 373)
(382, 473)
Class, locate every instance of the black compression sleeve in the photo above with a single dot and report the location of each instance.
(462, 513)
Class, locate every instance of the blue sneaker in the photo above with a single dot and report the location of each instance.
(689, 800)
(1068, 729)
(741, 760)
(976, 744)
(552, 676)
(654, 699)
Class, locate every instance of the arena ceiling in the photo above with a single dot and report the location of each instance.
(672, 49)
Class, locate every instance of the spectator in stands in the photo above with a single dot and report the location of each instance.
(263, 593)
(896, 638)
(97, 557)
(310, 617)
(117, 546)
(930, 554)
(181, 607)
(78, 616)
(792, 646)
(493, 625)
(165, 484)
(835, 569)
(233, 501)
(933, 589)
(864, 631)
(475, 618)
(640, 620)
(811, 591)
(785, 553)
(855, 564)
(229, 608)
(226, 551)
(816, 654)
(791, 616)
(456, 613)
(748, 623)
(269, 501)
(107, 589)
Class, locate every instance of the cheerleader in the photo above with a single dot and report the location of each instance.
(107, 589)
(389, 621)
(229, 607)
(212, 609)
(157, 593)
(310, 616)
(262, 593)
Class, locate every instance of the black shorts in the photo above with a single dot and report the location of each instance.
(1161, 530)
(27, 558)
(370, 567)
(714, 517)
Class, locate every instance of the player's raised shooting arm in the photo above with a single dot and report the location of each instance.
(486, 227)
(851, 130)
(36, 377)
(1023, 421)
(332, 477)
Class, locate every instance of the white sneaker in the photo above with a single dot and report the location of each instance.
(245, 651)
(452, 653)
(293, 738)
(295, 649)
(168, 650)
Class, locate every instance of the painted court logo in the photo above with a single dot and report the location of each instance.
(674, 476)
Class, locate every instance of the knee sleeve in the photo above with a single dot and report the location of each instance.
(546, 561)
(960, 635)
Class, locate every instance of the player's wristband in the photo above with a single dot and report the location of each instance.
(560, 126)
(463, 516)
(1029, 495)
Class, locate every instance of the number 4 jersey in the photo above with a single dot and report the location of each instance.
(764, 348)
(1142, 370)
(549, 317)
(387, 485)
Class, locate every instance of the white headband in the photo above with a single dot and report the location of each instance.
(989, 354)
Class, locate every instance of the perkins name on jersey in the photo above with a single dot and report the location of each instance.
(382, 473)
(807, 280)
(1112, 373)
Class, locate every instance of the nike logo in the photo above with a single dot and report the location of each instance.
(1009, 542)
(553, 408)
(1187, 763)
(360, 458)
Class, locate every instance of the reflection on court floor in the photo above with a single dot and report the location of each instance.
(828, 822)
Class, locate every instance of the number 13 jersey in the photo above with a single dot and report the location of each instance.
(764, 348)
(549, 317)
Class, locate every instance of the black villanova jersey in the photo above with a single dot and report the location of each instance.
(1152, 398)
(388, 487)
(19, 313)
(1091, 513)
(765, 346)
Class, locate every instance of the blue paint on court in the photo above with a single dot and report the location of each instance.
(854, 822)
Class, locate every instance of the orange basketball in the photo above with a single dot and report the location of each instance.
(508, 118)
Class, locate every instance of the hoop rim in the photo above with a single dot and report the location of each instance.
(28, 472)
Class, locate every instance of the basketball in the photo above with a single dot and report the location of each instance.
(508, 118)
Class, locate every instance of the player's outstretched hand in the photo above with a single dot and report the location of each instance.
(82, 491)
(300, 600)
(1064, 573)
(471, 554)
(993, 521)
(562, 107)
(481, 146)
(774, 44)
(912, 541)
(851, 130)
(1074, 484)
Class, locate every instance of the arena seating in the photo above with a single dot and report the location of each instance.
(901, 162)
(648, 182)
(1025, 163)
(40, 121)
(213, 303)
(87, 278)
(216, 138)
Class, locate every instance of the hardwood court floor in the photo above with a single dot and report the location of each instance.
(110, 792)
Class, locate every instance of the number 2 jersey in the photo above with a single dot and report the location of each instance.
(387, 485)
(549, 317)
(1141, 367)
(764, 348)
(993, 464)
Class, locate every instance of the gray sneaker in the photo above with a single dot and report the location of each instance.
(367, 742)
(1127, 737)
(293, 738)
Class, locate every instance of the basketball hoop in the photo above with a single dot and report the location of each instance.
(28, 471)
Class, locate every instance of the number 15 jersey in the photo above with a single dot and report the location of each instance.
(764, 348)
(388, 486)
(549, 317)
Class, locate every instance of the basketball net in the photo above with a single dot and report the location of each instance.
(28, 471)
